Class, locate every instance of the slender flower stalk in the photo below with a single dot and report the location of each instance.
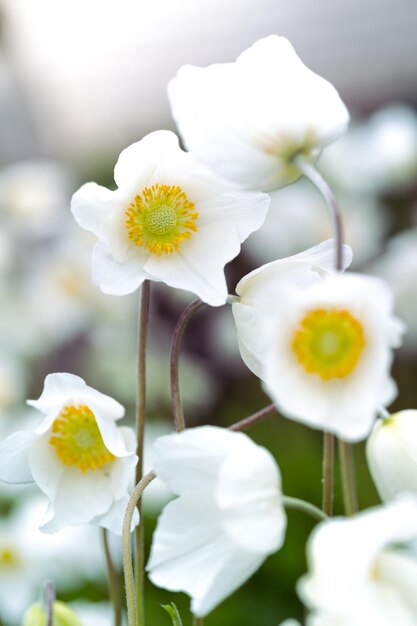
(253, 419)
(305, 507)
(140, 433)
(114, 582)
(328, 473)
(198, 621)
(49, 603)
(185, 317)
(347, 470)
(131, 602)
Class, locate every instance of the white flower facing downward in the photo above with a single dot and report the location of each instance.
(391, 451)
(77, 455)
(328, 352)
(227, 519)
(359, 573)
(170, 220)
(300, 270)
(248, 120)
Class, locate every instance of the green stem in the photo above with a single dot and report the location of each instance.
(305, 507)
(347, 470)
(132, 612)
(247, 422)
(174, 362)
(328, 473)
(143, 320)
(114, 582)
(197, 621)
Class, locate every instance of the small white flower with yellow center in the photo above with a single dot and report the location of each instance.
(328, 352)
(363, 570)
(170, 220)
(391, 451)
(77, 455)
(254, 290)
(227, 519)
(249, 119)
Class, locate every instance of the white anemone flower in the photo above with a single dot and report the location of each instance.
(227, 519)
(170, 220)
(77, 455)
(391, 451)
(363, 570)
(328, 352)
(254, 289)
(249, 119)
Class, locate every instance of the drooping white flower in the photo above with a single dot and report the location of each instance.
(328, 352)
(363, 570)
(255, 289)
(170, 220)
(77, 455)
(249, 119)
(391, 451)
(227, 519)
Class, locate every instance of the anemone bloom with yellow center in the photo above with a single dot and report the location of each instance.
(77, 455)
(170, 220)
(328, 353)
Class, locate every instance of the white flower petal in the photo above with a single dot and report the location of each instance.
(118, 279)
(113, 519)
(199, 264)
(91, 204)
(46, 468)
(14, 458)
(57, 389)
(80, 498)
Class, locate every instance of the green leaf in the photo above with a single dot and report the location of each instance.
(172, 611)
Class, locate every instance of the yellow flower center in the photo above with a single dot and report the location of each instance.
(160, 218)
(328, 342)
(9, 558)
(77, 439)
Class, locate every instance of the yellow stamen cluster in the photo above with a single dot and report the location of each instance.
(328, 342)
(160, 218)
(9, 558)
(77, 439)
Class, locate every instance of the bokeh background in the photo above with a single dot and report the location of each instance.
(79, 81)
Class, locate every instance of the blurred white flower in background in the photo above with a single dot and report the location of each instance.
(363, 570)
(377, 154)
(227, 519)
(93, 613)
(391, 451)
(328, 352)
(398, 266)
(77, 455)
(298, 219)
(170, 220)
(34, 198)
(247, 120)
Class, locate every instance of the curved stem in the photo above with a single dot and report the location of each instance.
(347, 469)
(247, 422)
(143, 320)
(132, 612)
(310, 172)
(174, 362)
(114, 582)
(328, 473)
(305, 507)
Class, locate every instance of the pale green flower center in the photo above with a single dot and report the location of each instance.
(328, 342)
(77, 439)
(160, 218)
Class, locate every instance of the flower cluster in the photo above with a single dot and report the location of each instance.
(319, 338)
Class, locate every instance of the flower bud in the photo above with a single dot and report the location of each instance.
(392, 454)
(62, 615)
